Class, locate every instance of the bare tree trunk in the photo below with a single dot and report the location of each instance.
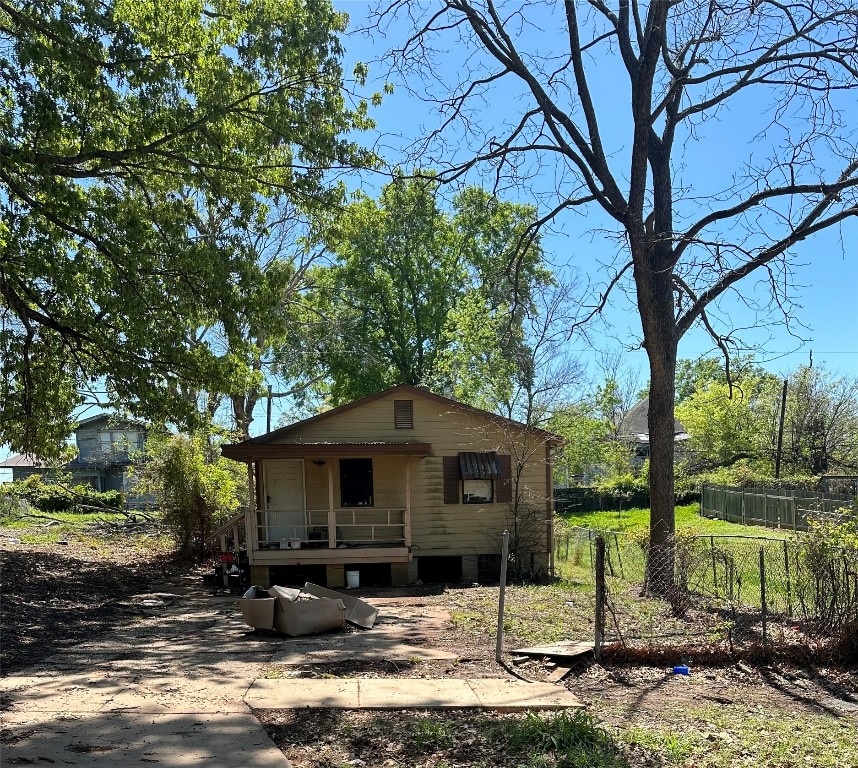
(657, 307)
(661, 436)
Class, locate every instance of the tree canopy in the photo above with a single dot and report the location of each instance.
(138, 140)
(821, 423)
(737, 419)
(421, 296)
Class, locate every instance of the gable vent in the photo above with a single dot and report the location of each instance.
(403, 414)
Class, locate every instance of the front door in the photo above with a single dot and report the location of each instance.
(284, 500)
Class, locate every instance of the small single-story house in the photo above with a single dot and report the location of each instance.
(634, 430)
(105, 446)
(400, 486)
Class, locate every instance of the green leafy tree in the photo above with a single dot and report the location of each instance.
(584, 452)
(129, 131)
(195, 487)
(727, 424)
(472, 365)
(421, 296)
(386, 301)
(821, 423)
(266, 334)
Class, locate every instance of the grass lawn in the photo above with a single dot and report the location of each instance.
(718, 560)
(688, 520)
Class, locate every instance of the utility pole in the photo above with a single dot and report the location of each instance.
(268, 413)
(781, 429)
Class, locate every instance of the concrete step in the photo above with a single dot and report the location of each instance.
(497, 694)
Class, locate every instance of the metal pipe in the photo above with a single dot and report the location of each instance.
(502, 597)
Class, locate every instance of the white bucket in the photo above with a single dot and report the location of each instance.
(352, 579)
(294, 543)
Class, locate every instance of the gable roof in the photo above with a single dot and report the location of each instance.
(635, 422)
(407, 391)
(111, 419)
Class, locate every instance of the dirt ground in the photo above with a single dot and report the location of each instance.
(54, 595)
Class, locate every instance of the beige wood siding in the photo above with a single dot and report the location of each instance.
(437, 528)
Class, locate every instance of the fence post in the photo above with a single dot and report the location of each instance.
(502, 596)
(792, 502)
(788, 584)
(763, 593)
(600, 597)
(619, 556)
(743, 506)
(714, 569)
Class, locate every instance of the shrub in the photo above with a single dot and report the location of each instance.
(623, 486)
(50, 497)
(827, 589)
(196, 488)
(686, 484)
(744, 475)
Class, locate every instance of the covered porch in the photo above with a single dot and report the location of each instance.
(329, 503)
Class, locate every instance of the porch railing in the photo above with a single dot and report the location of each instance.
(355, 527)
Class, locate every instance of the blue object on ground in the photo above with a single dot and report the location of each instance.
(681, 669)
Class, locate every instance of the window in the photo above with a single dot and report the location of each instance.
(478, 491)
(478, 472)
(477, 478)
(117, 442)
(403, 414)
(356, 482)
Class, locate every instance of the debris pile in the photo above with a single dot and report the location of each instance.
(307, 611)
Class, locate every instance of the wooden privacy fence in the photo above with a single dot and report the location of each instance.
(769, 507)
(584, 499)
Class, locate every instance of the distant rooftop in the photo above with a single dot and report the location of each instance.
(635, 424)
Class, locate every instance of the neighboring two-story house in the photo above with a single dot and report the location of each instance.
(106, 446)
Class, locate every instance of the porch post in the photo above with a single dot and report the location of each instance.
(251, 532)
(332, 516)
(407, 529)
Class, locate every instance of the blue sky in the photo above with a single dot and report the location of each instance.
(824, 271)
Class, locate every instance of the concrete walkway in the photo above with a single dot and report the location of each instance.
(176, 687)
(493, 693)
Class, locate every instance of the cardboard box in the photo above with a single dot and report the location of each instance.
(308, 617)
(358, 612)
(257, 608)
(287, 593)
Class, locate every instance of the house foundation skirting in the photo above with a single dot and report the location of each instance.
(330, 556)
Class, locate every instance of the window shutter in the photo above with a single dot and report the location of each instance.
(503, 492)
(451, 480)
(403, 414)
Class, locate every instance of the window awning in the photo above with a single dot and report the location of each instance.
(478, 465)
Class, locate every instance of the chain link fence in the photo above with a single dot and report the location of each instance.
(713, 590)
